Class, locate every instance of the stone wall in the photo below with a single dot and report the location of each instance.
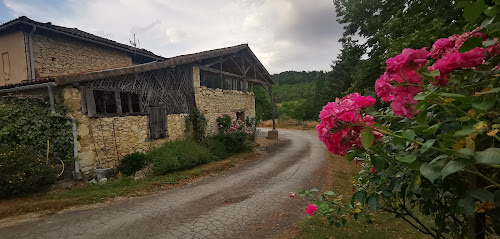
(96, 143)
(216, 102)
(55, 56)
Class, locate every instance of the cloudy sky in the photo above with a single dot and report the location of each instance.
(284, 34)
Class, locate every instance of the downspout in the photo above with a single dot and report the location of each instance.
(73, 130)
(75, 149)
(30, 49)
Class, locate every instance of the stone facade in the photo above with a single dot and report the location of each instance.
(213, 103)
(55, 56)
(97, 144)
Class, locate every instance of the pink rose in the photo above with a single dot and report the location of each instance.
(404, 105)
(494, 50)
(385, 91)
(472, 58)
(417, 57)
(311, 209)
(440, 47)
(447, 63)
(364, 101)
(396, 64)
(373, 170)
(348, 117)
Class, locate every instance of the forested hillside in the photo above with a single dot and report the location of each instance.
(296, 96)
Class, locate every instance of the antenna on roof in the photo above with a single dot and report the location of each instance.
(135, 43)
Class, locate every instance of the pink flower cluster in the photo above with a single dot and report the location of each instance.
(401, 81)
(341, 122)
(238, 126)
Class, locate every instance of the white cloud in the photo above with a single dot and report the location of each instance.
(284, 34)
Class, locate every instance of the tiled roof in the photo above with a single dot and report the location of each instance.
(173, 61)
(78, 34)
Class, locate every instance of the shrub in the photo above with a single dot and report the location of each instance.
(133, 162)
(179, 155)
(218, 148)
(233, 143)
(28, 122)
(22, 170)
(223, 122)
(197, 122)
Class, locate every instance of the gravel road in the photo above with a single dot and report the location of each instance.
(251, 201)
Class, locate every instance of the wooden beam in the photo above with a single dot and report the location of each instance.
(219, 72)
(223, 59)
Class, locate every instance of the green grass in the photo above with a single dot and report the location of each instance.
(385, 225)
(124, 187)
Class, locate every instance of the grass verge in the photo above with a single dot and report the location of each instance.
(289, 124)
(384, 225)
(125, 187)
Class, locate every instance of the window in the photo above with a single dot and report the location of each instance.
(105, 102)
(6, 66)
(99, 103)
(240, 116)
(130, 102)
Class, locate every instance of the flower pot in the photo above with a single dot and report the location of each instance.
(103, 173)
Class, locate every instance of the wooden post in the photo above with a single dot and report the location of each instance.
(221, 80)
(118, 102)
(272, 106)
(91, 107)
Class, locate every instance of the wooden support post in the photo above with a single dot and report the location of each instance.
(129, 100)
(91, 103)
(118, 102)
(221, 80)
(272, 106)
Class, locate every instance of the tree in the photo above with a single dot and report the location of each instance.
(388, 27)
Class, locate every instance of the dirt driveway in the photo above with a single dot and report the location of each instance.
(251, 201)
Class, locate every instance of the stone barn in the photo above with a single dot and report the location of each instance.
(124, 99)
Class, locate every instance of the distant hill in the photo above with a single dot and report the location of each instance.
(295, 95)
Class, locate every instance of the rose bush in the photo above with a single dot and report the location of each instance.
(436, 148)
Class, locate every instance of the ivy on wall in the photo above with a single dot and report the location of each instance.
(28, 122)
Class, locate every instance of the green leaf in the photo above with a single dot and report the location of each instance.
(367, 138)
(419, 97)
(330, 193)
(490, 11)
(427, 145)
(453, 96)
(454, 166)
(484, 104)
(409, 134)
(466, 152)
(379, 163)
(432, 129)
(473, 10)
(467, 204)
(488, 43)
(470, 44)
(431, 171)
(406, 158)
(464, 132)
(360, 196)
(483, 194)
(490, 156)
(422, 118)
(494, 90)
(314, 190)
(373, 202)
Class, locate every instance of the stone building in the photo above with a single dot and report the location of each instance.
(124, 99)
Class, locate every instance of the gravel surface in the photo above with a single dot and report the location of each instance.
(251, 201)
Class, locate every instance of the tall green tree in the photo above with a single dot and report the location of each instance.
(388, 26)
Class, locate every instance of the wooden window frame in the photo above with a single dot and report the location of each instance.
(89, 107)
